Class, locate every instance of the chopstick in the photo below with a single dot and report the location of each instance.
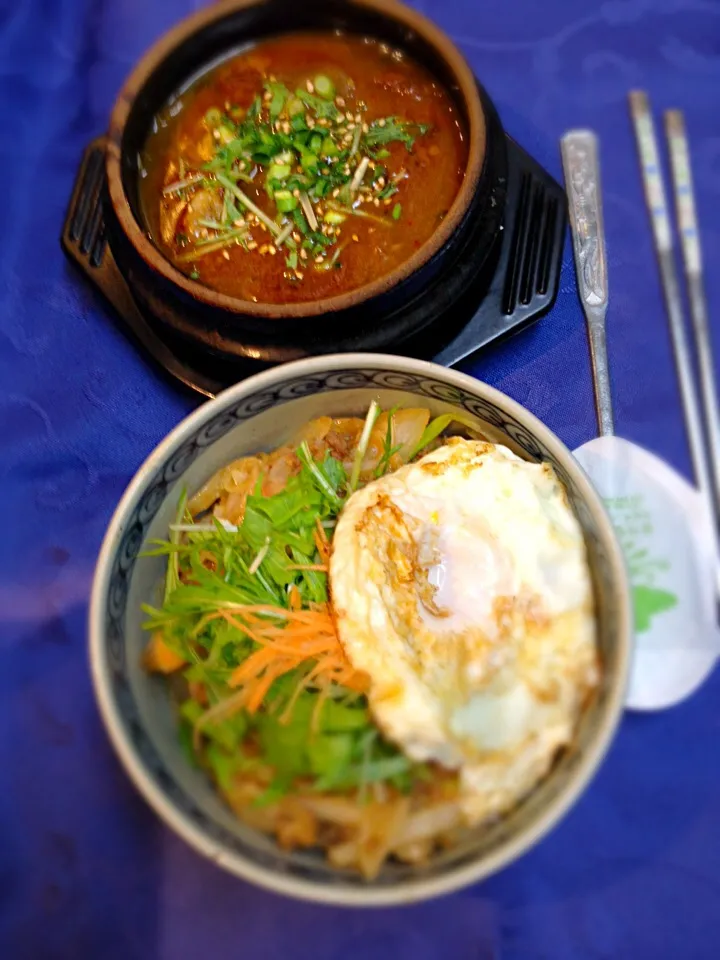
(662, 233)
(692, 259)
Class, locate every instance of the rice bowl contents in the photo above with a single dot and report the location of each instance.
(341, 693)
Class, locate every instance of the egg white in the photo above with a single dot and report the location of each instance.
(460, 584)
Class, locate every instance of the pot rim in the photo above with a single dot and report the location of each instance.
(150, 253)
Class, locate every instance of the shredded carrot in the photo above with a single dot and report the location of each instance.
(321, 541)
(261, 688)
(295, 598)
(321, 532)
(306, 635)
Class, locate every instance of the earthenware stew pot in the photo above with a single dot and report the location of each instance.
(384, 311)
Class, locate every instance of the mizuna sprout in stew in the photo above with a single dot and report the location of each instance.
(375, 635)
(302, 169)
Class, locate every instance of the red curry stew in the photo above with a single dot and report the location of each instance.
(302, 169)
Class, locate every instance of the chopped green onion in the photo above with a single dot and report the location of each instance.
(213, 117)
(278, 171)
(285, 201)
(324, 86)
(309, 161)
(280, 94)
(295, 106)
(397, 211)
(292, 261)
(333, 217)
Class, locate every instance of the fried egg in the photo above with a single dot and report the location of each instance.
(460, 585)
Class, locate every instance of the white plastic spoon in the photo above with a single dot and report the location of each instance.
(663, 523)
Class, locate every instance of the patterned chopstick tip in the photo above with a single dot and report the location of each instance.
(650, 167)
(682, 184)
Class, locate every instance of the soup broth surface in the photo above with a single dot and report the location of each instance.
(302, 168)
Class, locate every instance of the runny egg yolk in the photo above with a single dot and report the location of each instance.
(460, 585)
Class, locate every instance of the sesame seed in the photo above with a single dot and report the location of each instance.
(351, 126)
(310, 122)
(299, 274)
(358, 118)
(252, 245)
(325, 171)
(262, 227)
(348, 116)
(340, 101)
(264, 249)
(365, 128)
(309, 86)
(272, 249)
(227, 104)
(381, 122)
(319, 259)
(242, 164)
(372, 164)
(323, 121)
(356, 238)
(381, 182)
(296, 236)
(226, 254)
(331, 231)
(267, 96)
(376, 202)
(388, 201)
(272, 78)
(340, 120)
(239, 222)
(336, 192)
(303, 254)
(296, 192)
(286, 126)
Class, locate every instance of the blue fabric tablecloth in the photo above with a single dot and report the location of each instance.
(86, 870)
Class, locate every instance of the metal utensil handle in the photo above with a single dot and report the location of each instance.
(581, 166)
